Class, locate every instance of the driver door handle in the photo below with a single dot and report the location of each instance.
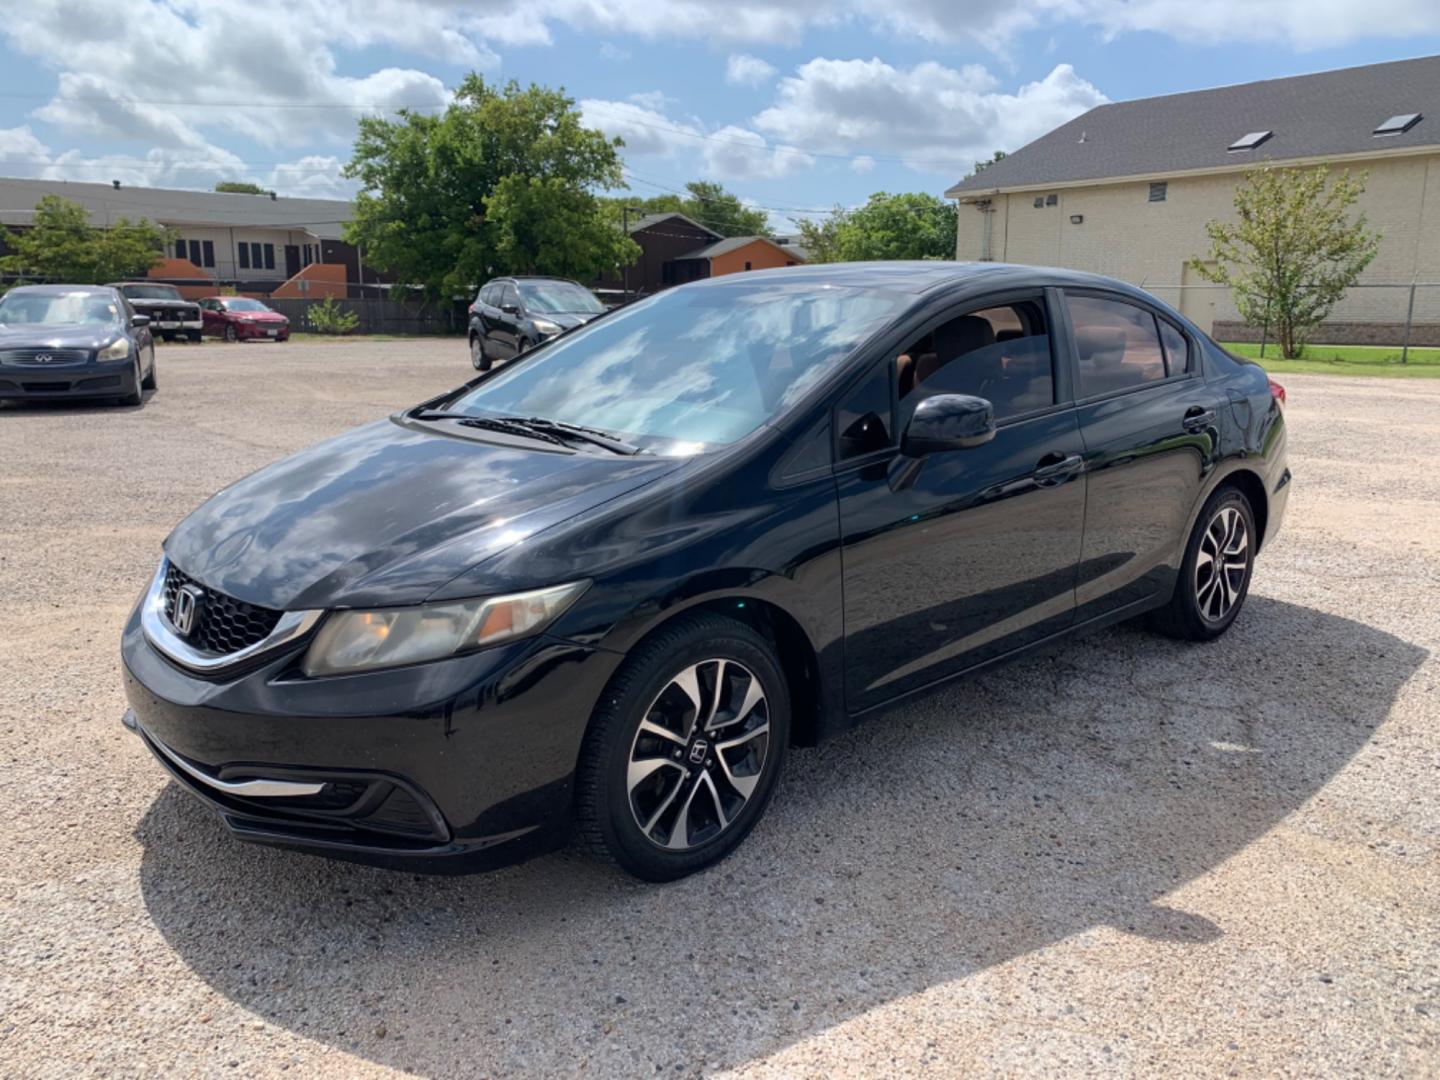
(1055, 467)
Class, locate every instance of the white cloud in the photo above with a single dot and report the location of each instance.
(736, 153)
(647, 132)
(742, 69)
(1304, 24)
(863, 164)
(613, 53)
(935, 118)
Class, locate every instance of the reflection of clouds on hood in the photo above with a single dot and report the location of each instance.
(701, 365)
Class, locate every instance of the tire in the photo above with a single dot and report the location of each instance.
(1205, 604)
(168, 337)
(136, 396)
(478, 360)
(151, 381)
(195, 336)
(700, 807)
(230, 334)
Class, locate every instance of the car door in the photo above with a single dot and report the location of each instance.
(208, 321)
(1149, 422)
(507, 321)
(957, 557)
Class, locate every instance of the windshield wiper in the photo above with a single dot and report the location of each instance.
(578, 431)
(503, 425)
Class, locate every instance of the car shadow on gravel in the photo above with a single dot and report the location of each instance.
(1065, 792)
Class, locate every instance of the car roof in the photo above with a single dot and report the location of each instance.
(147, 284)
(58, 289)
(920, 276)
(533, 277)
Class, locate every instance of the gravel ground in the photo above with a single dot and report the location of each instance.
(1130, 855)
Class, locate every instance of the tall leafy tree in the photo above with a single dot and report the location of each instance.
(706, 202)
(1292, 251)
(486, 187)
(910, 225)
(61, 245)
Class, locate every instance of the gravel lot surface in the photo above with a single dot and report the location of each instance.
(1129, 855)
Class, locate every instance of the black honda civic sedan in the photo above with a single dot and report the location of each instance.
(602, 591)
(59, 341)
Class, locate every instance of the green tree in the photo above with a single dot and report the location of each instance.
(486, 187)
(240, 187)
(1294, 250)
(981, 166)
(706, 202)
(61, 245)
(911, 225)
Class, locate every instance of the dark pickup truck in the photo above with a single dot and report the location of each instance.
(171, 315)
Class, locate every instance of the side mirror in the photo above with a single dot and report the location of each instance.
(138, 321)
(948, 422)
(510, 309)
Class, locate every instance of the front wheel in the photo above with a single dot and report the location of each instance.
(230, 335)
(684, 749)
(151, 381)
(478, 360)
(1215, 574)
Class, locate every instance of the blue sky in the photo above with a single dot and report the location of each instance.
(794, 104)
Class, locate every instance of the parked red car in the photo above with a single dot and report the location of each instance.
(239, 318)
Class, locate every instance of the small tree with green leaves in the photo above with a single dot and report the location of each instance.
(240, 187)
(1294, 250)
(61, 245)
(328, 317)
(909, 225)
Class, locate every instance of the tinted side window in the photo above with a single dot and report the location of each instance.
(998, 353)
(1117, 344)
(863, 418)
(508, 295)
(1177, 348)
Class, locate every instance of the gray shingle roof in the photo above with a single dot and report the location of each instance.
(324, 218)
(655, 219)
(1330, 113)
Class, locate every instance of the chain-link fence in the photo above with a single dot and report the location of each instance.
(1398, 315)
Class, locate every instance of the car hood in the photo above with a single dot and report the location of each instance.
(257, 316)
(58, 337)
(387, 513)
(566, 320)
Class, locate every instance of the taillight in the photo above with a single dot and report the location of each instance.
(1276, 391)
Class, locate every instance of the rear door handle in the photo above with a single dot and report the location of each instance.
(1198, 418)
(1053, 468)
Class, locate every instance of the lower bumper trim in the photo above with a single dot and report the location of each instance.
(259, 788)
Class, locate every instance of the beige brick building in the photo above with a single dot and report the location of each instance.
(1127, 188)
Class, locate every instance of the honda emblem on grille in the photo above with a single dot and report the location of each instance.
(188, 601)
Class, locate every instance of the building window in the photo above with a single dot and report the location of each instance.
(1157, 191)
(1052, 199)
(244, 252)
(1039, 202)
(269, 256)
(747, 266)
(207, 251)
(195, 252)
(180, 249)
(256, 259)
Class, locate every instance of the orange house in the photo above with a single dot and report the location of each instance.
(734, 255)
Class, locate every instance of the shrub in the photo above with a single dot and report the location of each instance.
(328, 317)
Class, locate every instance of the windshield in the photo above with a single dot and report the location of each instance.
(694, 366)
(552, 297)
(151, 292)
(59, 309)
(244, 303)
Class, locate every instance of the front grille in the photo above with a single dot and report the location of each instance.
(222, 623)
(51, 356)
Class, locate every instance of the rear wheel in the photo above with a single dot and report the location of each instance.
(684, 749)
(478, 360)
(1215, 574)
(151, 381)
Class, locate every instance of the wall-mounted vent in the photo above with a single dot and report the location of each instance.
(1157, 191)
(1398, 125)
(1250, 141)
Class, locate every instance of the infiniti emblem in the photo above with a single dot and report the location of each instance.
(188, 601)
(43, 358)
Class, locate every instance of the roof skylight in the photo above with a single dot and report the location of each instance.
(1398, 125)
(1250, 141)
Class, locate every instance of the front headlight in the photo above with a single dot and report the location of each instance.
(116, 350)
(545, 326)
(363, 640)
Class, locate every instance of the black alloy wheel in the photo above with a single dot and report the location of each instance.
(684, 749)
(1215, 575)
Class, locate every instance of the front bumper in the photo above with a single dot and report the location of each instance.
(33, 381)
(461, 764)
(262, 331)
(171, 326)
